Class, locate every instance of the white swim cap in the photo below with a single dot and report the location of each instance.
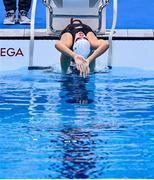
(82, 47)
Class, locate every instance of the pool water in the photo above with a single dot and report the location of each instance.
(64, 126)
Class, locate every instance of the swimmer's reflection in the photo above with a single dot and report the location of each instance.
(75, 148)
(77, 154)
(80, 154)
(75, 89)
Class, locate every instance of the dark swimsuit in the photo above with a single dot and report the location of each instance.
(75, 28)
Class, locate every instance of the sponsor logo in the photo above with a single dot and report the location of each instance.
(11, 52)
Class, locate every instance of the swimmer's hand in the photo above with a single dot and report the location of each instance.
(86, 69)
(79, 63)
(82, 65)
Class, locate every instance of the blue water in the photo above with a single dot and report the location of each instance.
(64, 126)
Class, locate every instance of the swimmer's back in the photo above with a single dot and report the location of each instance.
(75, 28)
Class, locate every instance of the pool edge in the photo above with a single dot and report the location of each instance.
(42, 34)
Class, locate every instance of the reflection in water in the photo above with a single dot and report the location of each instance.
(99, 127)
(76, 89)
(76, 156)
(76, 153)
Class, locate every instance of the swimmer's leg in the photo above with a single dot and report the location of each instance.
(65, 63)
(92, 64)
(64, 45)
(98, 45)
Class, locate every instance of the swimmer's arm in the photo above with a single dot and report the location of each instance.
(100, 49)
(64, 49)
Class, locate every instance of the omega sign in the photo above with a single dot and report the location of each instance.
(11, 52)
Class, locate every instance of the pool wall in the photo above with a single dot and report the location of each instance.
(14, 54)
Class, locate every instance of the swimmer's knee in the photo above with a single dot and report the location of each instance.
(67, 39)
(59, 43)
(104, 44)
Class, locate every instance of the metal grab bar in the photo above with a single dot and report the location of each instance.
(31, 45)
(32, 34)
(110, 51)
(99, 16)
(32, 42)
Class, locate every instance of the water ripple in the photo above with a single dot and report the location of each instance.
(55, 126)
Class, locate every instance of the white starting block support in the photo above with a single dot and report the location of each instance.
(59, 13)
(91, 12)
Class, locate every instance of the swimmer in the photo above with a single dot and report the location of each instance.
(79, 46)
